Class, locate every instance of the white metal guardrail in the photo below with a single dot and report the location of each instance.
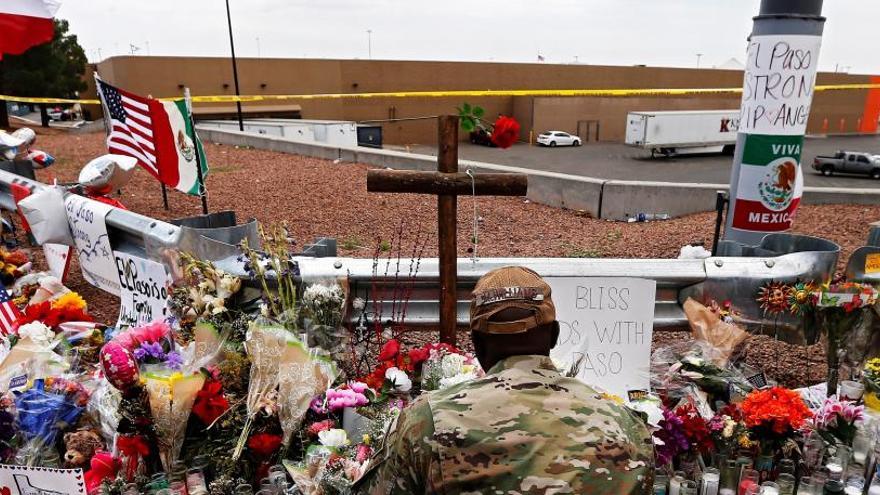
(735, 275)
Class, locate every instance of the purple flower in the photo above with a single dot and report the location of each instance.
(670, 439)
(318, 406)
(140, 354)
(173, 360)
(149, 350)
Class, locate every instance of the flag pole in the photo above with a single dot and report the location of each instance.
(203, 189)
(234, 68)
(164, 195)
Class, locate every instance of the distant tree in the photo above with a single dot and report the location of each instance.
(53, 69)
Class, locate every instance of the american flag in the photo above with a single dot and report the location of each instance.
(9, 313)
(131, 127)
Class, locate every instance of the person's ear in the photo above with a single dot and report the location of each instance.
(554, 334)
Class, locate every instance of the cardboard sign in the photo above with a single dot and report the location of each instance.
(771, 183)
(89, 230)
(872, 263)
(58, 259)
(605, 329)
(144, 295)
(778, 84)
(22, 480)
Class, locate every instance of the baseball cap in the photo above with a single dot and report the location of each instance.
(511, 287)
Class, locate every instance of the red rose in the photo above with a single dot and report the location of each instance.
(418, 356)
(210, 403)
(264, 444)
(320, 426)
(505, 132)
(389, 350)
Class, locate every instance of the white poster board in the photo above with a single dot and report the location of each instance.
(778, 84)
(144, 295)
(58, 259)
(89, 230)
(22, 480)
(606, 324)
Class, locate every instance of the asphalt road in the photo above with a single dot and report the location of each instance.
(618, 161)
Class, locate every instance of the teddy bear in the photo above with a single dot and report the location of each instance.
(80, 446)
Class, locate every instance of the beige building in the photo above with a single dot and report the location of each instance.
(592, 118)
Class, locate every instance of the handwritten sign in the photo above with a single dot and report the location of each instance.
(89, 229)
(58, 259)
(779, 78)
(605, 328)
(144, 295)
(23, 480)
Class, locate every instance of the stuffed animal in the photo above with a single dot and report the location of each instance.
(103, 468)
(80, 446)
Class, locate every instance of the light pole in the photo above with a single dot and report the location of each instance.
(234, 67)
(370, 44)
(766, 181)
(699, 56)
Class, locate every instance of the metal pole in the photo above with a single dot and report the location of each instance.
(370, 44)
(720, 202)
(766, 182)
(164, 196)
(234, 68)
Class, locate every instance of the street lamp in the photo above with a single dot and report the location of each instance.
(370, 44)
(699, 56)
(234, 68)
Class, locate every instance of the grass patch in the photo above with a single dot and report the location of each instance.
(575, 251)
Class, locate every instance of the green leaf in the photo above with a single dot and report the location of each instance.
(467, 108)
(467, 124)
(479, 112)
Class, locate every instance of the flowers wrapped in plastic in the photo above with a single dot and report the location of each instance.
(44, 410)
(171, 397)
(445, 367)
(302, 374)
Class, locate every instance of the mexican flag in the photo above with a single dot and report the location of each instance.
(26, 23)
(160, 134)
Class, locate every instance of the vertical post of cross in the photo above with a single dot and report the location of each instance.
(447, 242)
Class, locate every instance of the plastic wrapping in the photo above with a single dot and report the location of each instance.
(721, 336)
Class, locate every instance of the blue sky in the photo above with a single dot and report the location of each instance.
(614, 32)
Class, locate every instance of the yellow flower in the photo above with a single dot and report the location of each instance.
(70, 300)
(366, 439)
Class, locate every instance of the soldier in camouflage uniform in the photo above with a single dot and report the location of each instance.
(523, 428)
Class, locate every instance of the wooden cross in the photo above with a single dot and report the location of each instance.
(447, 183)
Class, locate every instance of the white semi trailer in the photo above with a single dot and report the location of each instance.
(683, 132)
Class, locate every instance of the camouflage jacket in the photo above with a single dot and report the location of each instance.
(522, 429)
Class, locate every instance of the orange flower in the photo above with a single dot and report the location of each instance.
(779, 409)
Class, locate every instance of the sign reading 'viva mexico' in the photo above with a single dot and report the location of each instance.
(778, 88)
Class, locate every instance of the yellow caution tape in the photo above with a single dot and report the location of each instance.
(452, 94)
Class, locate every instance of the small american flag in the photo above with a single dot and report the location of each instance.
(9, 313)
(131, 127)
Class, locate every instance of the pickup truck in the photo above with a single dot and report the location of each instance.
(848, 162)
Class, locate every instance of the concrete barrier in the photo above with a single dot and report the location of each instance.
(600, 198)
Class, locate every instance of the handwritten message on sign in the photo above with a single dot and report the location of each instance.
(89, 230)
(144, 296)
(779, 78)
(23, 480)
(605, 327)
(58, 259)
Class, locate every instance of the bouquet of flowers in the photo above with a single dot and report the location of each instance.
(503, 133)
(13, 264)
(836, 420)
(773, 415)
(323, 307)
(669, 439)
(447, 366)
(729, 430)
(204, 291)
(871, 378)
(44, 410)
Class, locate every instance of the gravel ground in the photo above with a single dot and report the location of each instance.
(319, 198)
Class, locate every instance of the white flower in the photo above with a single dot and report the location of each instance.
(456, 379)
(37, 332)
(452, 364)
(399, 379)
(335, 437)
(228, 286)
(358, 303)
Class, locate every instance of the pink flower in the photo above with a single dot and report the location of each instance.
(359, 387)
(363, 452)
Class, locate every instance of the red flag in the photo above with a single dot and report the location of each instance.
(26, 23)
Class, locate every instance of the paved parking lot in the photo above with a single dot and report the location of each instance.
(618, 161)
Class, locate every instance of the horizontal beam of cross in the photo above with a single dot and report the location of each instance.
(489, 184)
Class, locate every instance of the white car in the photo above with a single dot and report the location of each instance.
(558, 138)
